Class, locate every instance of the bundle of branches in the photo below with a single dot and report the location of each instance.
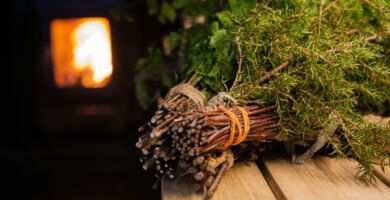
(318, 65)
(200, 137)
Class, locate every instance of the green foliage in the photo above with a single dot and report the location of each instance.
(239, 6)
(174, 40)
(333, 59)
(367, 144)
(151, 73)
(329, 71)
(167, 12)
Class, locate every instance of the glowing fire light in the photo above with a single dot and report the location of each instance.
(82, 52)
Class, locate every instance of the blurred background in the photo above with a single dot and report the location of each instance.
(71, 116)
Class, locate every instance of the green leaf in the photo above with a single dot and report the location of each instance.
(224, 18)
(167, 12)
(214, 27)
(218, 38)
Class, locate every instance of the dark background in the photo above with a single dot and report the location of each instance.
(71, 143)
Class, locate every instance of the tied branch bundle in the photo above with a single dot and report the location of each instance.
(196, 133)
(203, 142)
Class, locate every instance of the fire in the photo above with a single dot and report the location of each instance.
(81, 50)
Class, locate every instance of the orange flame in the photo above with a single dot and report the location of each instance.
(81, 50)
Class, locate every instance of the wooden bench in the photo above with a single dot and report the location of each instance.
(278, 178)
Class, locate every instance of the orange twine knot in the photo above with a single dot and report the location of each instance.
(234, 122)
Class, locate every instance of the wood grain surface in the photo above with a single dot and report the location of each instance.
(320, 178)
(383, 175)
(243, 181)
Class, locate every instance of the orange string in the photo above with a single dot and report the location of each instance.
(233, 123)
(245, 118)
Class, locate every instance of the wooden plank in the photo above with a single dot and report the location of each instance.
(377, 119)
(384, 176)
(243, 181)
(320, 178)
